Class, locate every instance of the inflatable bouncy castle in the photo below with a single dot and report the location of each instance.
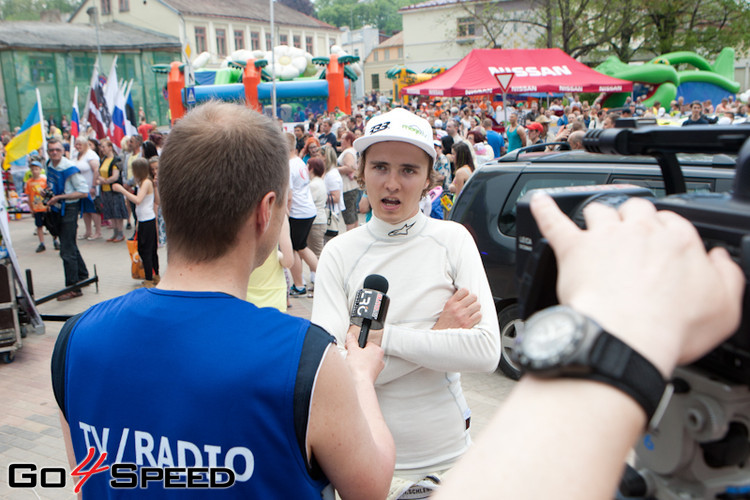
(661, 79)
(303, 84)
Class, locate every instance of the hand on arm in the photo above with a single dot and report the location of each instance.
(465, 336)
(462, 310)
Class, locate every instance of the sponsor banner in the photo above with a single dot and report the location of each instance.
(610, 88)
(478, 91)
(523, 71)
(523, 88)
(436, 92)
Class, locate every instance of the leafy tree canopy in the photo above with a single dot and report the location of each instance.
(30, 10)
(353, 13)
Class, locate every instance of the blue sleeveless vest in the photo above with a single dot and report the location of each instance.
(56, 180)
(179, 379)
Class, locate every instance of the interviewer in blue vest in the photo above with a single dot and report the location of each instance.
(69, 186)
(189, 374)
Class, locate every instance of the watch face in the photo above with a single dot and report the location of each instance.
(550, 337)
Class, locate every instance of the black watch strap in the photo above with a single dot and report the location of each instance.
(614, 363)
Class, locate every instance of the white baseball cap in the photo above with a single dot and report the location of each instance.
(398, 125)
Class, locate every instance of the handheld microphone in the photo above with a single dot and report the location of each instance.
(370, 306)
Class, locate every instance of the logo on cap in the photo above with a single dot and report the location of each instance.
(379, 127)
(413, 129)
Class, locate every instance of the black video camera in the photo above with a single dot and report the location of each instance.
(721, 219)
(47, 195)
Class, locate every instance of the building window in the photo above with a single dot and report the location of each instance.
(400, 52)
(221, 42)
(356, 52)
(297, 41)
(106, 7)
(375, 82)
(124, 5)
(377, 55)
(283, 39)
(269, 42)
(42, 68)
(387, 53)
(309, 44)
(254, 40)
(466, 27)
(82, 66)
(239, 39)
(200, 39)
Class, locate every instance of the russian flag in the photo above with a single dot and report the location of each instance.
(29, 139)
(117, 128)
(75, 122)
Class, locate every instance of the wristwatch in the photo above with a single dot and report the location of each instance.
(561, 342)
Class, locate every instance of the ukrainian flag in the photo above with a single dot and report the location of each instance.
(28, 140)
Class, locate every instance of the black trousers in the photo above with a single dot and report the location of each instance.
(75, 268)
(148, 246)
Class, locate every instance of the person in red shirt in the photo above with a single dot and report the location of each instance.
(145, 128)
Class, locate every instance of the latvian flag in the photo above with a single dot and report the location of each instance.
(94, 116)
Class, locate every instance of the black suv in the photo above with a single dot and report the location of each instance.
(487, 207)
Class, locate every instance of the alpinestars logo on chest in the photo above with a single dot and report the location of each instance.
(402, 231)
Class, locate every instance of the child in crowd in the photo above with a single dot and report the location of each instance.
(34, 188)
(267, 286)
(144, 200)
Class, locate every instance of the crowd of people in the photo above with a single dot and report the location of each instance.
(466, 134)
(104, 184)
(296, 407)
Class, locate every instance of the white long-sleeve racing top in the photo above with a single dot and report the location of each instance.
(425, 261)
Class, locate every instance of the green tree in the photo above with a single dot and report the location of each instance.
(597, 28)
(568, 24)
(704, 26)
(30, 10)
(353, 13)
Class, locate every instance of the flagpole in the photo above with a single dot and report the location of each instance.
(273, 65)
(41, 123)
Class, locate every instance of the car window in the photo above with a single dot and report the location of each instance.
(656, 185)
(526, 182)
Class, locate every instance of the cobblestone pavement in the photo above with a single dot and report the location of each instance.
(29, 424)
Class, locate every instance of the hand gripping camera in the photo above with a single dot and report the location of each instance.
(698, 445)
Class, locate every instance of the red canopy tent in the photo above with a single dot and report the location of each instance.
(535, 70)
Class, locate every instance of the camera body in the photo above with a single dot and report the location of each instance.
(721, 220)
(699, 446)
(47, 195)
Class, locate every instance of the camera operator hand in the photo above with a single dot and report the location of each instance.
(645, 277)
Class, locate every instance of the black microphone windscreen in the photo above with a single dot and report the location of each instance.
(376, 282)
